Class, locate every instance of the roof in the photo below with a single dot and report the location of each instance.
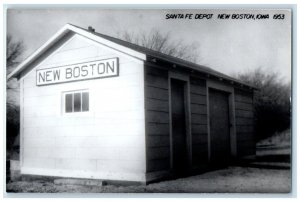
(138, 51)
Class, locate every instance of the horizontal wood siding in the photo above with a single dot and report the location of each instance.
(157, 119)
(244, 123)
(198, 121)
(108, 142)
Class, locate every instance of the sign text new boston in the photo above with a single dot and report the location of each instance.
(74, 72)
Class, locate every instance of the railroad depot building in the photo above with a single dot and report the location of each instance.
(97, 107)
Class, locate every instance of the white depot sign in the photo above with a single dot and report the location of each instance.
(75, 72)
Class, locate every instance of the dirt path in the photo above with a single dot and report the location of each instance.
(268, 173)
(232, 179)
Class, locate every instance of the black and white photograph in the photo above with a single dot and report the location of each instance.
(142, 100)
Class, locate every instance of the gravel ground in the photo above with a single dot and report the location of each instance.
(268, 173)
(230, 180)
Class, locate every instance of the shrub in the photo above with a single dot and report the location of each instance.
(272, 102)
(12, 130)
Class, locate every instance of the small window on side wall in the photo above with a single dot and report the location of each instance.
(76, 102)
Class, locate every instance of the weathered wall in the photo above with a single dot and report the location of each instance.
(108, 142)
(157, 119)
(244, 123)
(198, 121)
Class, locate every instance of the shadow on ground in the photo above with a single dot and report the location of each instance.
(274, 158)
(270, 157)
(269, 172)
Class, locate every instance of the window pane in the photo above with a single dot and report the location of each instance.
(77, 102)
(85, 101)
(68, 103)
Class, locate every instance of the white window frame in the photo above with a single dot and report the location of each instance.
(63, 104)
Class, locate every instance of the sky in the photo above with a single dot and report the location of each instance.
(230, 46)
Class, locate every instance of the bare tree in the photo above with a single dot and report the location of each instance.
(164, 43)
(14, 50)
(272, 101)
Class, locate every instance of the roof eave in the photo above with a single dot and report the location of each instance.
(59, 34)
(39, 51)
(183, 64)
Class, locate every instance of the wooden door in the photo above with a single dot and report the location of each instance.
(219, 127)
(179, 137)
